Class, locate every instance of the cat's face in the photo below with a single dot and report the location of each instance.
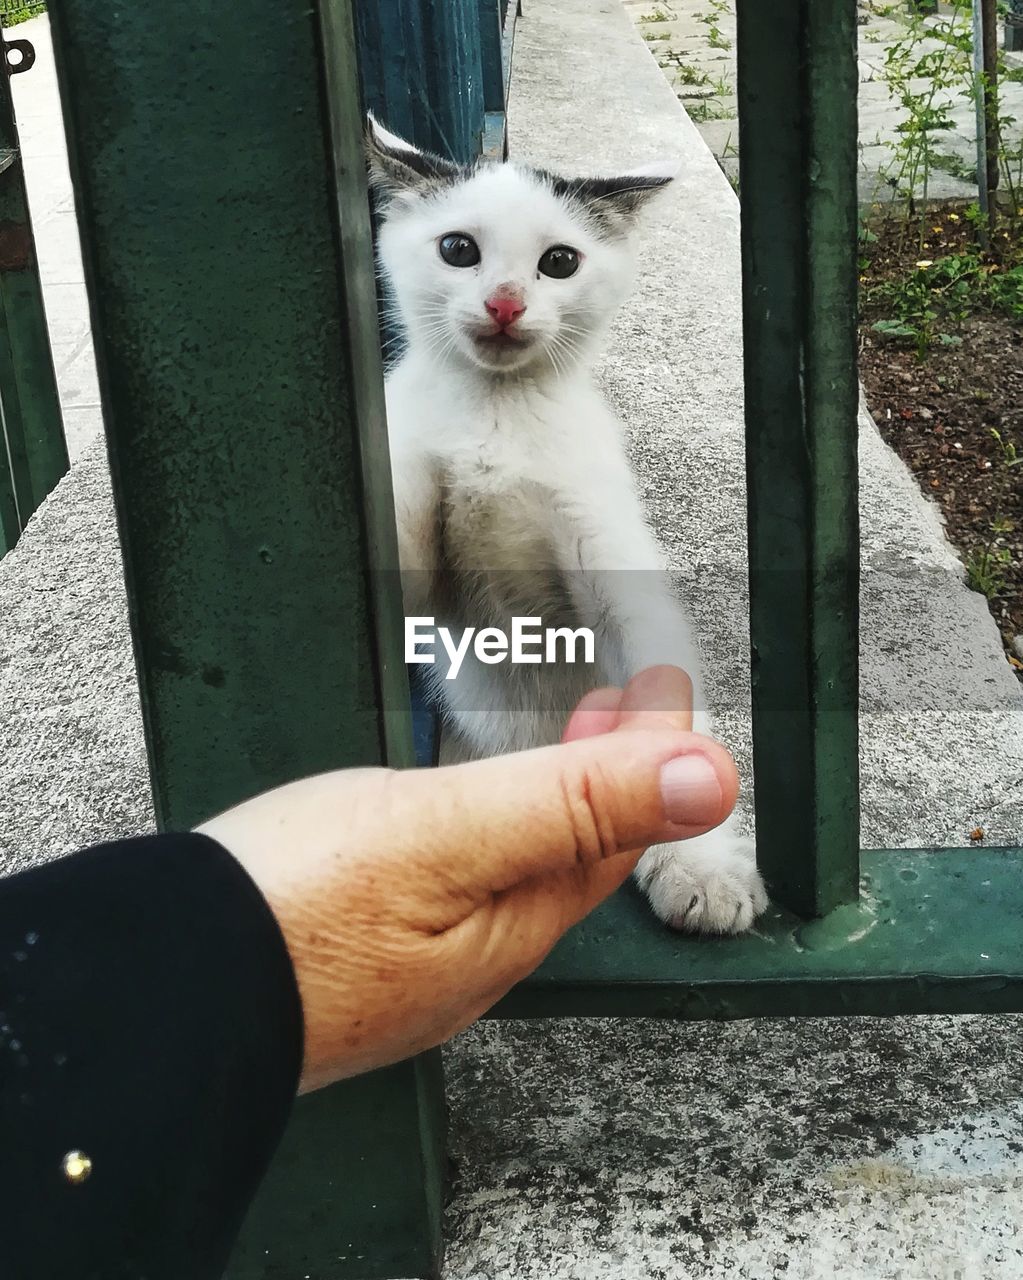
(504, 267)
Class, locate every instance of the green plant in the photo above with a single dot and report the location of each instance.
(1010, 166)
(701, 112)
(924, 80)
(933, 296)
(927, 71)
(865, 237)
(658, 15)
(715, 38)
(1010, 457)
(1004, 290)
(689, 73)
(986, 565)
(915, 311)
(31, 9)
(974, 215)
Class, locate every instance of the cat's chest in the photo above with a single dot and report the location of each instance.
(498, 511)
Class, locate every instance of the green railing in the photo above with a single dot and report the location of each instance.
(33, 454)
(230, 271)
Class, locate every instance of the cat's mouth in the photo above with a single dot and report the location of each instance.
(501, 339)
(502, 349)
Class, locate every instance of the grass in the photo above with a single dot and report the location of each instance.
(986, 566)
(701, 112)
(1011, 457)
(689, 73)
(11, 17)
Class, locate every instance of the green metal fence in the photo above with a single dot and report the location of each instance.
(228, 256)
(33, 454)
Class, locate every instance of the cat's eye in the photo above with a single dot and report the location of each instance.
(459, 250)
(559, 262)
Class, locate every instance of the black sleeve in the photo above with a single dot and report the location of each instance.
(150, 1019)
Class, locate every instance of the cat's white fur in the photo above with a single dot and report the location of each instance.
(512, 489)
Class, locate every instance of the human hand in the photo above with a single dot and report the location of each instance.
(411, 901)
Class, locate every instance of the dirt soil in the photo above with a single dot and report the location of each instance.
(938, 414)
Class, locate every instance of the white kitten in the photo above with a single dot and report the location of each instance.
(512, 491)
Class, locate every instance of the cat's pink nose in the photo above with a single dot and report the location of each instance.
(505, 308)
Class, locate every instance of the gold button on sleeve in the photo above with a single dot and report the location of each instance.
(77, 1166)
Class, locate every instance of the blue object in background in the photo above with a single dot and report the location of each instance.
(425, 721)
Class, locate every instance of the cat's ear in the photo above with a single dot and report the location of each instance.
(399, 170)
(617, 202)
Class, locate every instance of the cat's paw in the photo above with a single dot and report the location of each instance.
(707, 885)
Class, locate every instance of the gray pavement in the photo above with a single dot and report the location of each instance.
(858, 1149)
(694, 43)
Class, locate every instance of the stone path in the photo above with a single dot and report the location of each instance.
(694, 43)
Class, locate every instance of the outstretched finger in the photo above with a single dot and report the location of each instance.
(657, 698)
(596, 713)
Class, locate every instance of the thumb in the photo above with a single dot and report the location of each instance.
(491, 824)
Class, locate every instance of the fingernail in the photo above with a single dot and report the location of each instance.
(690, 791)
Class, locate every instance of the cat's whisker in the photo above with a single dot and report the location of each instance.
(441, 349)
(554, 359)
(564, 346)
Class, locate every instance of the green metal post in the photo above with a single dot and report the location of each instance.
(422, 71)
(797, 98)
(491, 41)
(33, 454)
(1013, 19)
(216, 152)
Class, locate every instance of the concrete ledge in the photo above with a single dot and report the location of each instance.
(73, 762)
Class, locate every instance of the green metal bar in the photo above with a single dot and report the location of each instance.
(491, 42)
(797, 99)
(344, 112)
(10, 513)
(497, 22)
(1013, 19)
(422, 72)
(322, 1215)
(935, 932)
(226, 241)
(33, 453)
